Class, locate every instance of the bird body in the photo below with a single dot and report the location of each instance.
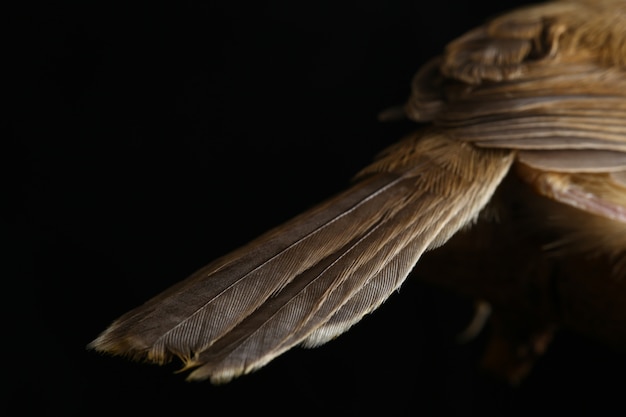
(526, 118)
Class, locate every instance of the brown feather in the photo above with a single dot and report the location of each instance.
(543, 87)
(432, 194)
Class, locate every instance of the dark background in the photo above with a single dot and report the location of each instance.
(150, 139)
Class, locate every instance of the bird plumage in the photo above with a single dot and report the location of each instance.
(539, 93)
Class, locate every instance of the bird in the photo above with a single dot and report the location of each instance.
(511, 190)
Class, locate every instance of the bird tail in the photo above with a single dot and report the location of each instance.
(310, 279)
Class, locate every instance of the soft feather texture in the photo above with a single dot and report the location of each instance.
(310, 279)
(543, 88)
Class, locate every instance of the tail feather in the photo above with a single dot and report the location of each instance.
(310, 302)
(240, 281)
(369, 296)
(312, 278)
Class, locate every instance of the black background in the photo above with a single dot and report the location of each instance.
(149, 139)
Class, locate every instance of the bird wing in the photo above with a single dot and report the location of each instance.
(546, 78)
(550, 82)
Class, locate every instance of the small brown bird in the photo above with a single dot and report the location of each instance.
(526, 143)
